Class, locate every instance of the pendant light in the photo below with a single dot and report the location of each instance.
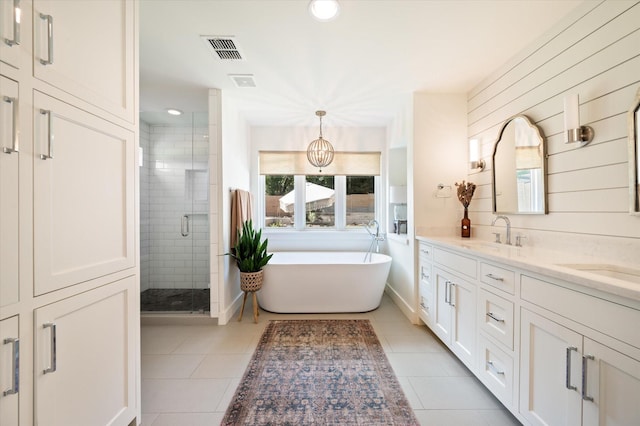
(320, 151)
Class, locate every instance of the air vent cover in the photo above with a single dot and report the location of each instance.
(225, 47)
(243, 80)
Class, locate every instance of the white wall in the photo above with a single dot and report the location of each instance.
(595, 52)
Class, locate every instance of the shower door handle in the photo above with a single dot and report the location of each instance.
(184, 228)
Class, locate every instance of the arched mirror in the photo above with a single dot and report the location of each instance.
(519, 164)
(634, 156)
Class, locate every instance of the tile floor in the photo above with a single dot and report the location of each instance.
(190, 373)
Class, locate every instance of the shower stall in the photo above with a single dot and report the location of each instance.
(174, 213)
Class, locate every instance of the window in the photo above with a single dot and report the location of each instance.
(295, 196)
(279, 201)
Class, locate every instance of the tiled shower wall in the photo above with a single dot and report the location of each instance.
(173, 183)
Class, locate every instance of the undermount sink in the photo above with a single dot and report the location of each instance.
(612, 271)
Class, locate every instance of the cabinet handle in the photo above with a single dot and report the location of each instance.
(492, 367)
(447, 294)
(16, 25)
(52, 366)
(494, 317)
(423, 275)
(49, 19)
(15, 366)
(184, 225)
(451, 293)
(585, 360)
(14, 123)
(493, 277)
(48, 156)
(568, 369)
(424, 251)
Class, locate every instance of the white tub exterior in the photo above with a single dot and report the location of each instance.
(320, 282)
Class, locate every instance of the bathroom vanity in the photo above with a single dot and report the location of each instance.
(552, 335)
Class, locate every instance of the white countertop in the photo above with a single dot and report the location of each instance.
(550, 263)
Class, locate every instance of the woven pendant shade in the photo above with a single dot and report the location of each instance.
(320, 151)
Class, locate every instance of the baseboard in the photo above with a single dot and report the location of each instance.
(406, 309)
(225, 316)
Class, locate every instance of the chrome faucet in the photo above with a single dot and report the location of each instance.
(508, 222)
(376, 238)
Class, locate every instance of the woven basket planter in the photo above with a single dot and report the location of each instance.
(251, 281)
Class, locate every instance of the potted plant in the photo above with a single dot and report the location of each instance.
(251, 256)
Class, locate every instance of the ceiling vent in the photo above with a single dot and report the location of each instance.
(225, 47)
(243, 80)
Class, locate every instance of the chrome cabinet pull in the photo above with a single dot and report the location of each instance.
(451, 293)
(49, 19)
(48, 156)
(494, 317)
(15, 366)
(585, 360)
(424, 251)
(568, 369)
(14, 122)
(493, 368)
(447, 293)
(493, 277)
(15, 41)
(422, 274)
(52, 366)
(184, 226)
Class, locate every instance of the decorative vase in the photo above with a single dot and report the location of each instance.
(251, 281)
(465, 225)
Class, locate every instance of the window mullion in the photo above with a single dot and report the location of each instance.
(299, 185)
(340, 206)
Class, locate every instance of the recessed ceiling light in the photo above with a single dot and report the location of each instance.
(174, 111)
(324, 10)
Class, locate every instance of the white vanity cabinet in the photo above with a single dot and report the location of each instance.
(426, 293)
(9, 190)
(86, 49)
(9, 371)
(581, 370)
(84, 358)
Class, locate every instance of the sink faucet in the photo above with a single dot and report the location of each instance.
(508, 222)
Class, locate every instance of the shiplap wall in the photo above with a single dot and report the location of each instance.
(595, 52)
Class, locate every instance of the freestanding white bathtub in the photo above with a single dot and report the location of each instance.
(319, 282)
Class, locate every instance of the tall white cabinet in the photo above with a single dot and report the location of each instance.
(69, 263)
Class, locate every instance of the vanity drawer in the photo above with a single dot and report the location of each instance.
(496, 317)
(501, 278)
(424, 272)
(425, 302)
(618, 321)
(496, 370)
(425, 251)
(456, 262)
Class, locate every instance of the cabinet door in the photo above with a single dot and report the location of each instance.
(549, 366)
(9, 164)
(9, 371)
(83, 196)
(86, 48)
(85, 358)
(463, 336)
(613, 381)
(442, 317)
(425, 293)
(10, 37)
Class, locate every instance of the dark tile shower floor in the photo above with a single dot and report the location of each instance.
(174, 300)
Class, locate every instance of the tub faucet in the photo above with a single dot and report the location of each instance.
(376, 238)
(508, 223)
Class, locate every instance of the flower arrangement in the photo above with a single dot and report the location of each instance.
(465, 192)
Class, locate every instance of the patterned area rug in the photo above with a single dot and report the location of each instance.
(324, 372)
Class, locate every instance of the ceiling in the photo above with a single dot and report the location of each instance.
(362, 67)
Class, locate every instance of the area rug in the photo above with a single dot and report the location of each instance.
(319, 372)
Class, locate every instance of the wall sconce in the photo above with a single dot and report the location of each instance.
(398, 196)
(475, 162)
(572, 128)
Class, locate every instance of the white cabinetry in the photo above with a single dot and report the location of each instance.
(426, 293)
(83, 195)
(9, 179)
(10, 34)
(86, 49)
(9, 371)
(85, 352)
(455, 314)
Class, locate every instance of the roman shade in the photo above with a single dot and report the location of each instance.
(296, 163)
